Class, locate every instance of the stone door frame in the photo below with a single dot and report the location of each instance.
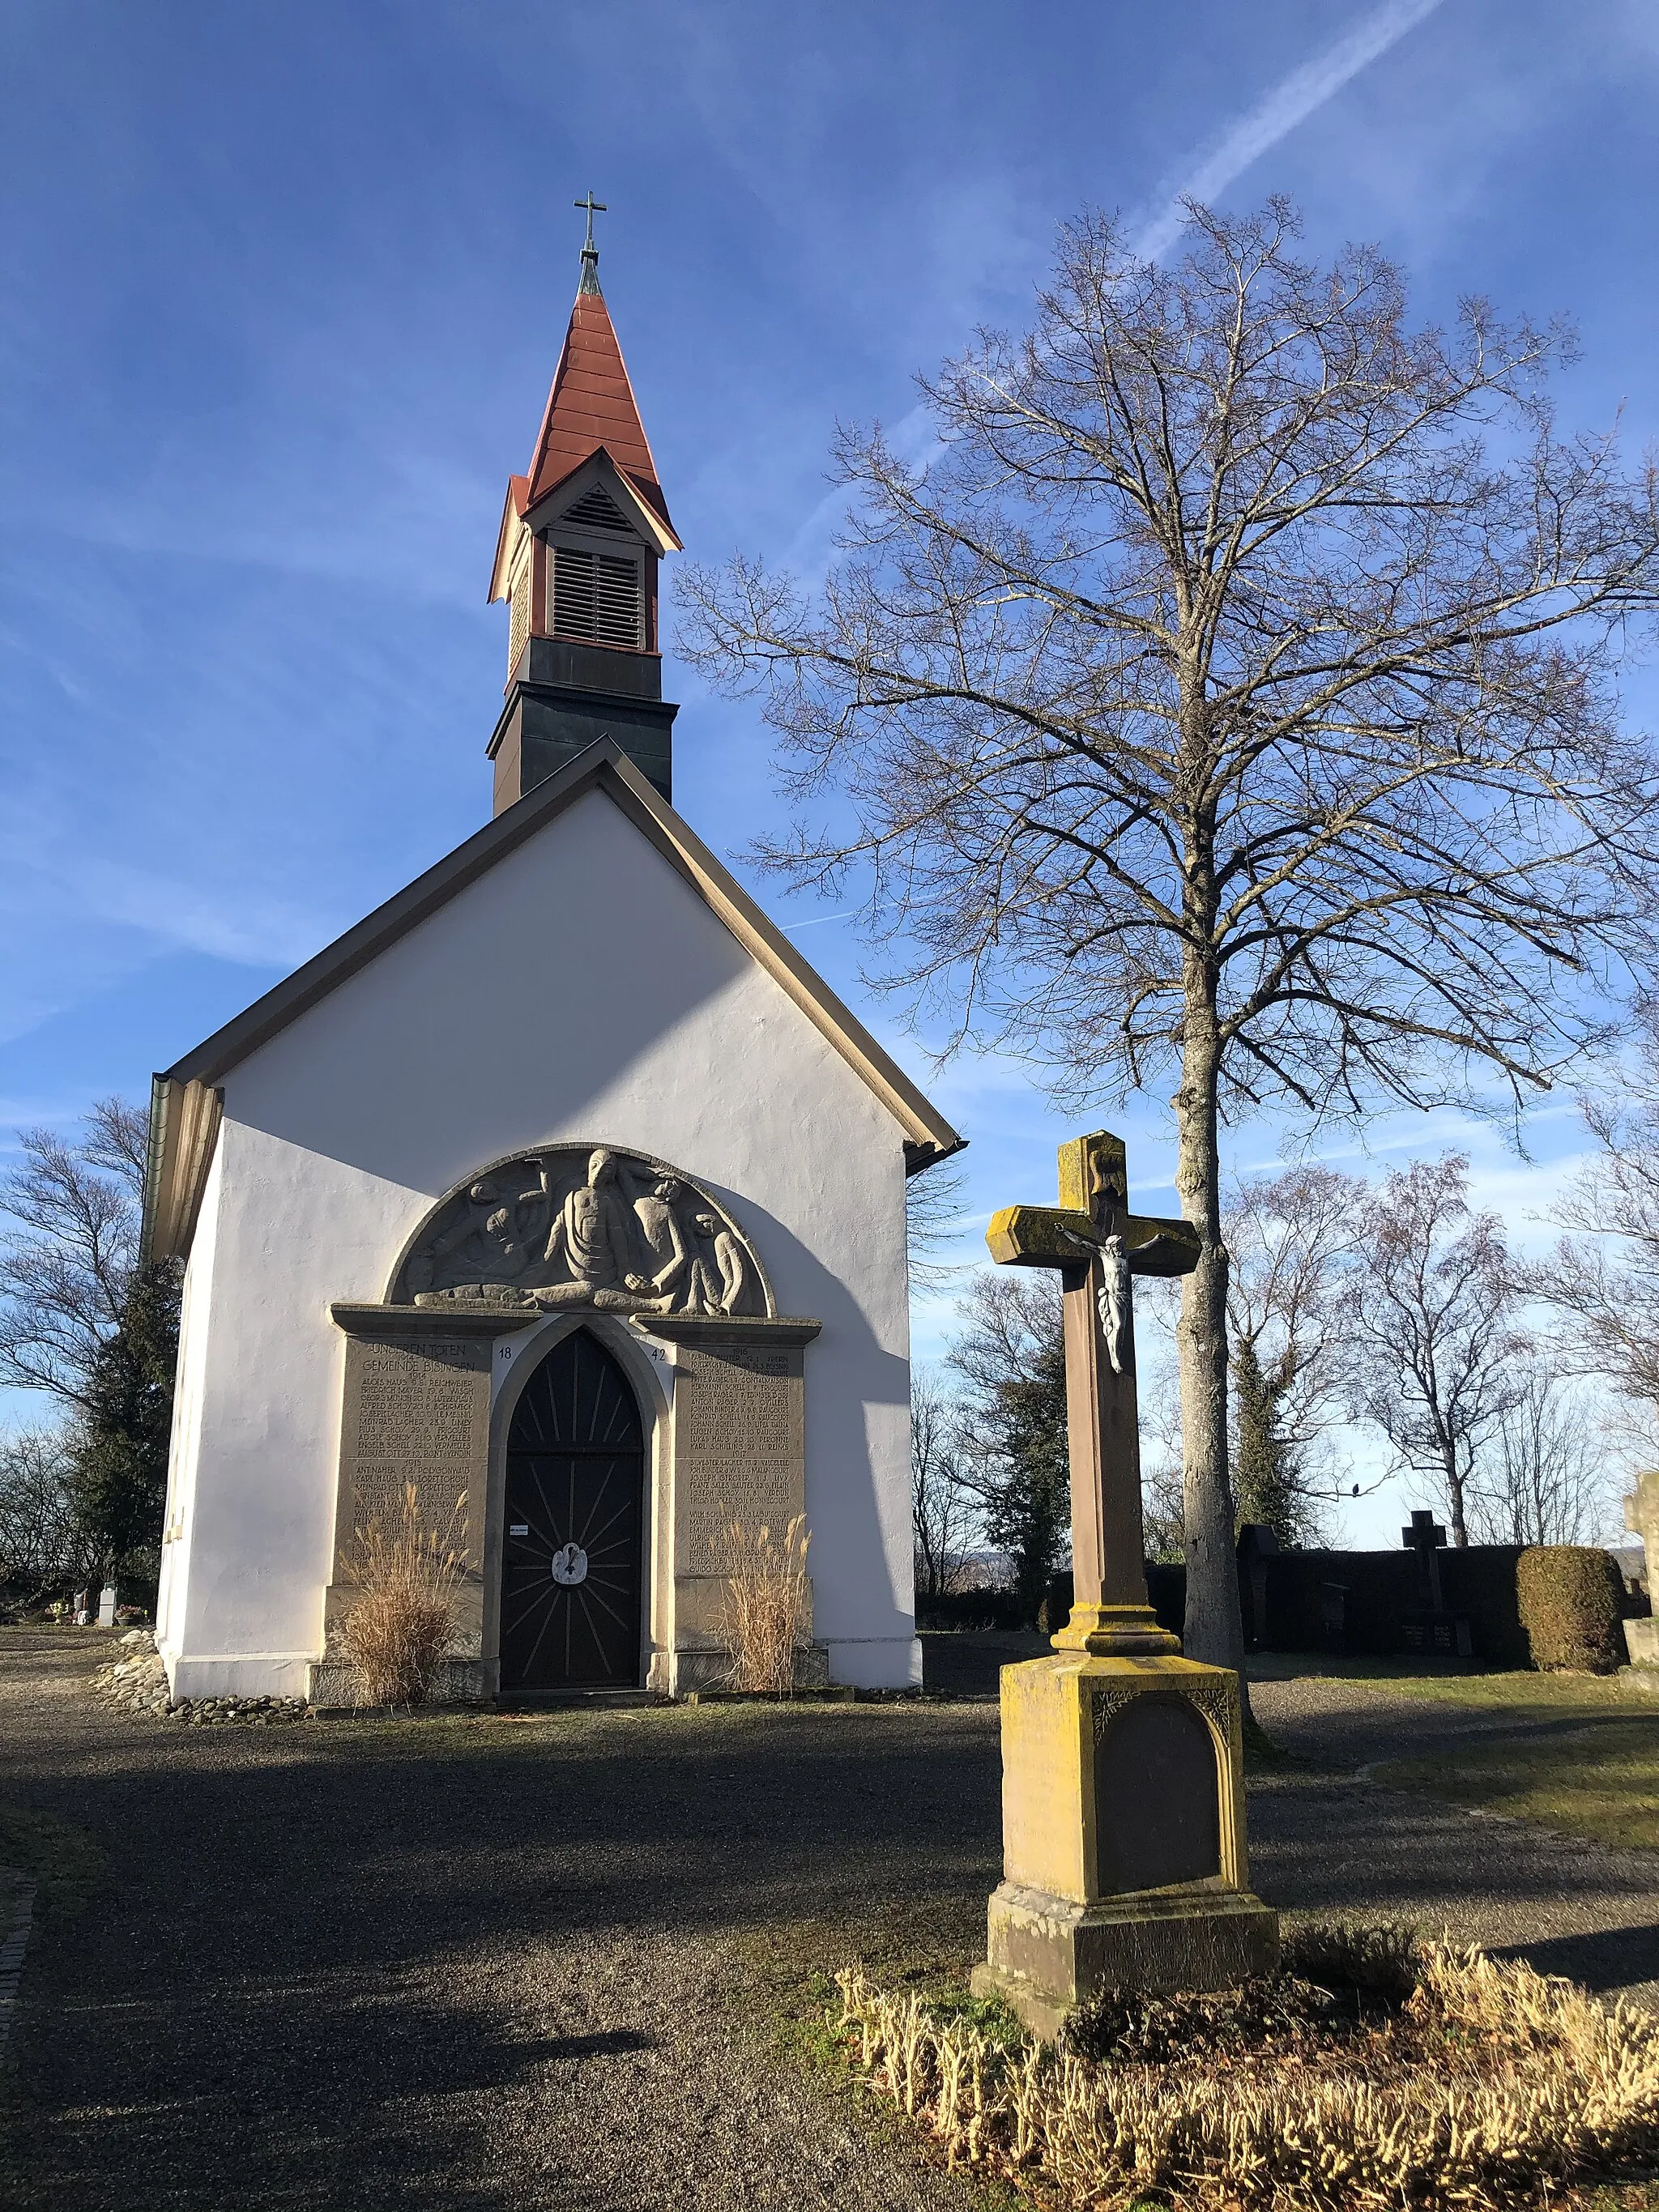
(525, 1350)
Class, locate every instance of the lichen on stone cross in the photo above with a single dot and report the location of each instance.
(1099, 1247)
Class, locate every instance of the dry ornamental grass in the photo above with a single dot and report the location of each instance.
(1489, 2085)
(401, 1623)
(765, 1613)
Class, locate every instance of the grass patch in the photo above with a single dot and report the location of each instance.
(783, 1981)
(1473, 1685)
(63, 1862)
(1600, 1780)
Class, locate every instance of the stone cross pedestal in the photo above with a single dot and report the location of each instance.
(1642, 1637)
(1124, 1856)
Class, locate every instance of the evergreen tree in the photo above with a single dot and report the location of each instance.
(121, 1472)
(1015, 1461)
(1028, 1501)
(1266, 1487)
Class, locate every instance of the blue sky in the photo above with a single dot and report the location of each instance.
(283, 286)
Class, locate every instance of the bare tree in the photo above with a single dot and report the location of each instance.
(1230, 690)
(1292, 1246)
(1546, 1478)
(66, 1270)
(1437, 1357)
(1157, 1388)
(943, 1516)
(932, 1203)
(43, 1537)
(1603, 1277)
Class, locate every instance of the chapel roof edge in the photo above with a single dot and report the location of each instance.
(603, 767)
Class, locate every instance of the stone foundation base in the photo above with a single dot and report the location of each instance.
(710, 1669)
(1046, 1955)
(1641, 1642)
(332, 1684)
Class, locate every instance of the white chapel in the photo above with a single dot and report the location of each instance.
(559, 1189)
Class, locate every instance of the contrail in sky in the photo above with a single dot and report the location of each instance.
(1278, 112)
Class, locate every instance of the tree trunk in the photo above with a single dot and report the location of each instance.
(1214, 1628)
(1459, 1533)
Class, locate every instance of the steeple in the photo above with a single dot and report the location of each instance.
(582, 532)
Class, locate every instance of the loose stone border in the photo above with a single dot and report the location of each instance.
(138, 1683)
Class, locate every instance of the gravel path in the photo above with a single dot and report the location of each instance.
(355, 1965)
(1570, 1906)
(496, 1966)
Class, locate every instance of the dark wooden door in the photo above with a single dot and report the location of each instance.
(571, 1562)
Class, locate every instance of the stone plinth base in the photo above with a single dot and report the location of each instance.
(1049, 1955)
(1123, 1846)
(1641, 1642)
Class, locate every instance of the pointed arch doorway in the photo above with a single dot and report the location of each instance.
(572, 1560)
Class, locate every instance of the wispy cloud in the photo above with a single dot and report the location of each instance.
(1277, 113)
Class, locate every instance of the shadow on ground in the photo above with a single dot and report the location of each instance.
(1603, 1958)
(490, 1965)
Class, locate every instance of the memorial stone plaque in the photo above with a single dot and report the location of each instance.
(415, 1412)
(739, 1443)
(1157, 1799)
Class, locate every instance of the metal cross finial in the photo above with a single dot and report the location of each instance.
(594, 207)
(590, 282)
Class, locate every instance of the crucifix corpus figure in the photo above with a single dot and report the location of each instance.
(1124, 1862)
(1099, 1247)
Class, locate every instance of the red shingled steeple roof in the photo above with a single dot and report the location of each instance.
(591, 404)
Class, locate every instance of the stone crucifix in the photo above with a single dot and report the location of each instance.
(1099, 1247)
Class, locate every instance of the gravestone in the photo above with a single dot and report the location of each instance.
(1431, 1630)
(1642, 1637)
(1124, 1852)
(1257, 1544)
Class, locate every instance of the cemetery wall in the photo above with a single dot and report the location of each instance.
(1380, 1592)
(580, 990)
(1380, 1589)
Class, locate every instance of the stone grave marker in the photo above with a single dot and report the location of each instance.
(1431, 1628)
(1124, 1856)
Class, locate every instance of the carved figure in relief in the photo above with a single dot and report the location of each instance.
(1115, 1292)
(591, 1234)
(717, 1275)
(663, 1237)
(584, 1228)
(492, 1237)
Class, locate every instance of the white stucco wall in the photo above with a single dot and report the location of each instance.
(580, 990)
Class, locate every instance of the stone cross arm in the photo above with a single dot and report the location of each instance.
(1065, 1236)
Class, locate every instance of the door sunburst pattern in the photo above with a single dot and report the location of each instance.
(571, 1562)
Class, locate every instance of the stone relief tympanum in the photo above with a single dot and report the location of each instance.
(581, 1226)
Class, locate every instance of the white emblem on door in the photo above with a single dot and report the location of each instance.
(570, 1566)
